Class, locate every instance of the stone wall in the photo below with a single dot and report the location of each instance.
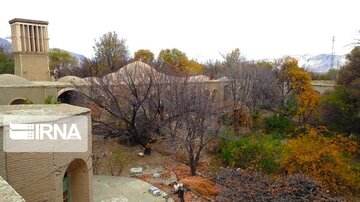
(7, 193)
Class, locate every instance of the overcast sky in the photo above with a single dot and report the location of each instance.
(201, 28)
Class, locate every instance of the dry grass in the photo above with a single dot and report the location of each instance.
(181, 171)
(202, 186)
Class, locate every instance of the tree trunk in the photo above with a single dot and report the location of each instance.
(193, 166)
(147, 150)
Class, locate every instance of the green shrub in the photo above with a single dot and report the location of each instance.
(28, 102)
(257, 120)
(49, 100)
(339, 111)
(259, 152)
(278, 125)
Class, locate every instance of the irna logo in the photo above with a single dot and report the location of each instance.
(44, 132)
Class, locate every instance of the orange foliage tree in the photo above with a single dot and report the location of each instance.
(307, 98)
(324, 159)
(296, 82)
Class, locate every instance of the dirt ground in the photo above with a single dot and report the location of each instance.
(129, 157)
(171, 167)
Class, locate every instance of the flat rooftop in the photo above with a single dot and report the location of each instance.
(13, 81)
(37, 84)
(28, 21)
(41, 110)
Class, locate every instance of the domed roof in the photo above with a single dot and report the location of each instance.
(13, 80)
(138, 70)
(71, 79)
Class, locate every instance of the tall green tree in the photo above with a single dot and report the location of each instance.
(340, 109)
(178, 62)
(349, 74)
(61, 60)
(6, 63)
(174, 58)
(111, 52)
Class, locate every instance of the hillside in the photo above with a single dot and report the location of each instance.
(6, 45)
(316, 63)
(320, 63)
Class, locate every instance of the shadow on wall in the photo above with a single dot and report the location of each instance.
(70, 96)
(18, 101)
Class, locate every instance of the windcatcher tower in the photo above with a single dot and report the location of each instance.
(30, 48)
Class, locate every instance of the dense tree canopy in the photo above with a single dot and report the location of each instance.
(298, 96)
(340, 109)
(144, 55)
(61, 60)
(111, 52)
(331, 74)
(6, 63)
(178, 61)
(349, 74)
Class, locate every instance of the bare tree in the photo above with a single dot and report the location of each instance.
(262, 87)
(141, 103)
(214, 69)
(252, 84)
(194, 118)
(233, 67)
(126, 102)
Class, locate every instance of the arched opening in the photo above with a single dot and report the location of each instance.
(18, 101)
(76, 185)
(215, 96)
(227, 93)
(70, 96)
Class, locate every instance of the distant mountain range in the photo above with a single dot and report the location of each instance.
(316, 63)
(320, 63)
(77, 56)
(6, 45)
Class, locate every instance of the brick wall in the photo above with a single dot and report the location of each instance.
(38, 177)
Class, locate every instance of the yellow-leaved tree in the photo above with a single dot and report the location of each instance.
(296, 83)
(177, 61)
(144, 55)
(324, 159)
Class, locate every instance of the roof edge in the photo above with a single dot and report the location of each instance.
(21, 20)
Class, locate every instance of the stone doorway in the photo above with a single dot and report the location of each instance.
(76, 185)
